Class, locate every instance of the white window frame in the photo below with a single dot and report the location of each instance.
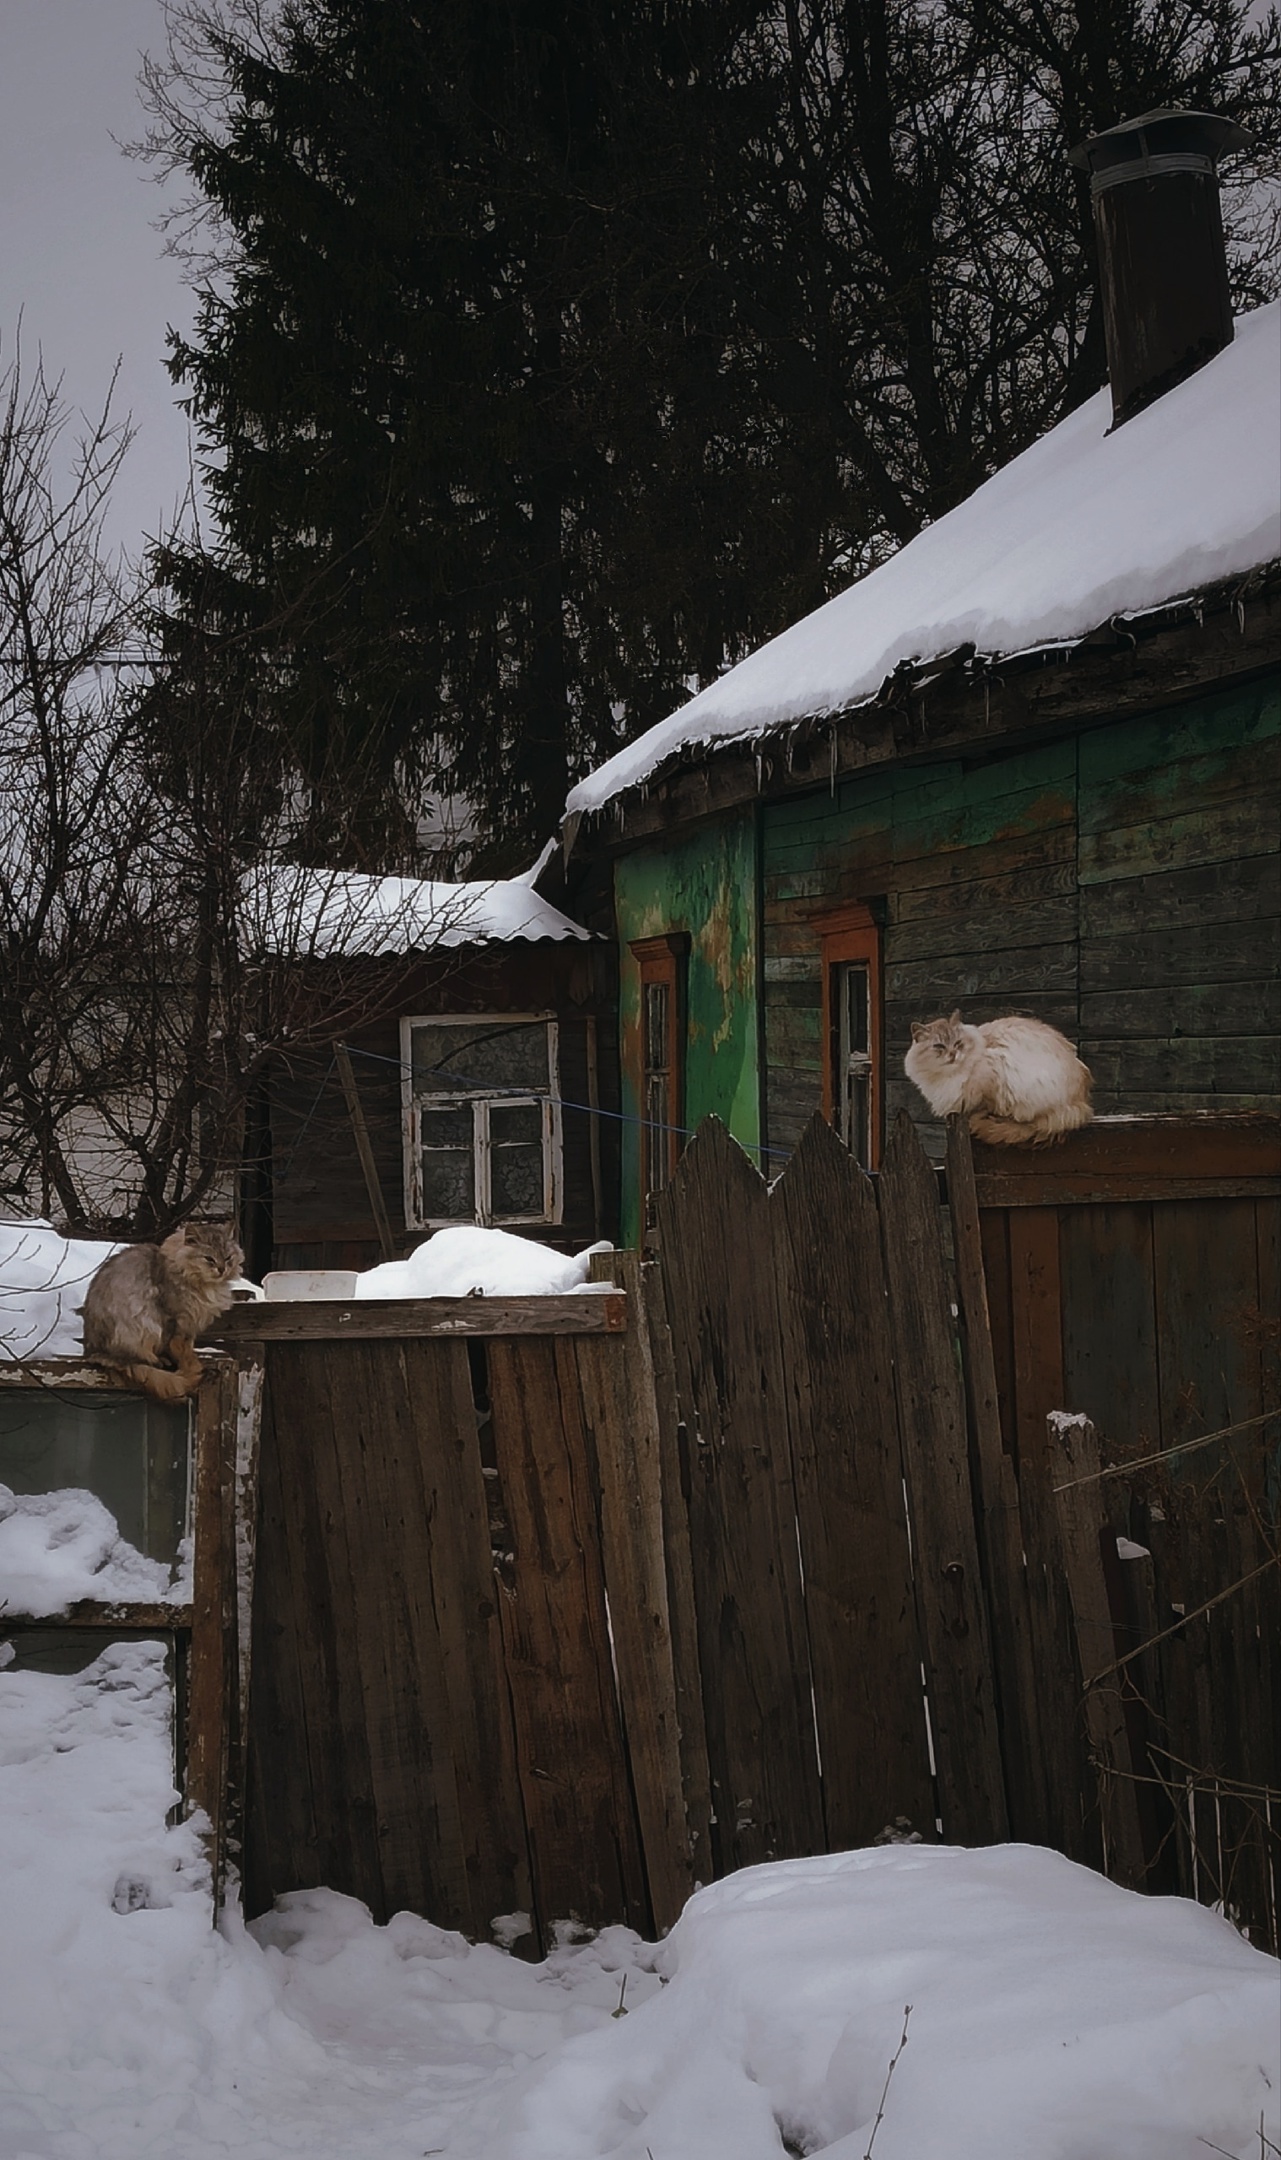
(480, 1104)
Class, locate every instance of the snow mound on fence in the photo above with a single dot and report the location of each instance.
(471, 1262)
(43, 1279)
(1053, 2017)
(60, 1546)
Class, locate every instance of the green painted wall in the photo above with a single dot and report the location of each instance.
(704, 885)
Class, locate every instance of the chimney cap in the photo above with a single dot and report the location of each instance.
(1168, 139)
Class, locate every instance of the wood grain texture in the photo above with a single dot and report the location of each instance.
(860, 1611)
(213, 1676)
(716, 1243)
(1074, 1456)
(932, 1422)
(620, 1416)
(585, 1847)
(588, 1313)
(997, 1515)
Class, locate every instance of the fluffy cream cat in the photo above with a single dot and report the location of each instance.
(146, 1305)
(1019, 1082)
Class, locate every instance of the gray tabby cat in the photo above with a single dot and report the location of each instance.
(146, 1305)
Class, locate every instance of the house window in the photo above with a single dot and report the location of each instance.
(661, 1093)
(853, 1075)
(482, 1122)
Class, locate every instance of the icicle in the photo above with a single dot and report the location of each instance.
(831, 737)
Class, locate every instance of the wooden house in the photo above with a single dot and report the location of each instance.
(459, 1087)
(1030, 764)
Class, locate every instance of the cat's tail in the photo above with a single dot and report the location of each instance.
(155, 1380)
(1035, 1132)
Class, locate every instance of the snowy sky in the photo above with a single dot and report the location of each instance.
(79, 255)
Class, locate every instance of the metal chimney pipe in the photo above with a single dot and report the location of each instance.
(1163, 271)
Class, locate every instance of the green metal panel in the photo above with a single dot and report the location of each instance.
(704, 884)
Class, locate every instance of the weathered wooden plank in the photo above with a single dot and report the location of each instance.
(682, 1609)
(947, 980)
(716, 1244)
(117, 1619)
(380, 1574)
(1195, 952)
(996, 927)
(1244, 825)
(1074, 1455)
(1110, 1323)
(996, 891)
(1206, 1274)
(620, 1412)
(1169, 904)
(585, 1313)
(368, 1166)
(839, 1370)
(997, 1504)
(1036, 1302)
(584, 1847)
(1135, 1158)
(1213, 1004)
(477, 1720)
(214, 1669)
(1167, 1069)
(932, 1423)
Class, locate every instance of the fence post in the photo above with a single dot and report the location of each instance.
(1075, 1462)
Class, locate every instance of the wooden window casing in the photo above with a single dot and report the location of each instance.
(853, 1031)
(660, 1061)
(475, 1121)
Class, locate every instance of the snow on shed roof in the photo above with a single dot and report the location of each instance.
(322, 914)
(1083, 526)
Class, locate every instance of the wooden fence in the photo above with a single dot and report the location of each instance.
(563, 1606)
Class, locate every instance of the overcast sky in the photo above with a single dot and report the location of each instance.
(79, 255)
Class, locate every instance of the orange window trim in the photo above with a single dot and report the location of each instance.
(852, 933)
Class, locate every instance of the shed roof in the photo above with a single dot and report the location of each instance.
(1086, 525)
(327, 914)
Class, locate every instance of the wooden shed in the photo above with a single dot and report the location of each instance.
(459, 1088)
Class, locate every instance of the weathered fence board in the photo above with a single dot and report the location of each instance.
(621, 1414)
(718, 1275)
(584, 1848)
(861, 1618)
(932, 1422)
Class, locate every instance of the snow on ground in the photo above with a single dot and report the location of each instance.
(1086, 524)
(467, 1261)
(43, 1279)
(1054, 2017)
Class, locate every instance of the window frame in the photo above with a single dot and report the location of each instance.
(481, 1103)
(853, 933)
(661, 960)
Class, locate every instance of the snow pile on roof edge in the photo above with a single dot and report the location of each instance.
(1084, 525)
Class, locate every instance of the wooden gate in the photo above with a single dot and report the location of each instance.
(462, 1698)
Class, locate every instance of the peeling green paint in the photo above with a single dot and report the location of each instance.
(704, 885)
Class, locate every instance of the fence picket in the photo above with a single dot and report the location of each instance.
(932, 1422)
(718, 1274)
(849, 1494)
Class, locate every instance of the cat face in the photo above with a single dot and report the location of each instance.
(206, 1252)
(942, 1042)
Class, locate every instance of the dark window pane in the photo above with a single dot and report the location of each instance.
(510, 1122)
(450, 1127)
(449, 1186)
(469, 1059)
(130, 1453)
(516, 1181)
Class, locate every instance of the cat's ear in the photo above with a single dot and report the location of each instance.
(954, 1018)
(918, 1030)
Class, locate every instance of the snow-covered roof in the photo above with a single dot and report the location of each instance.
(1085, 525)
(321, 914)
